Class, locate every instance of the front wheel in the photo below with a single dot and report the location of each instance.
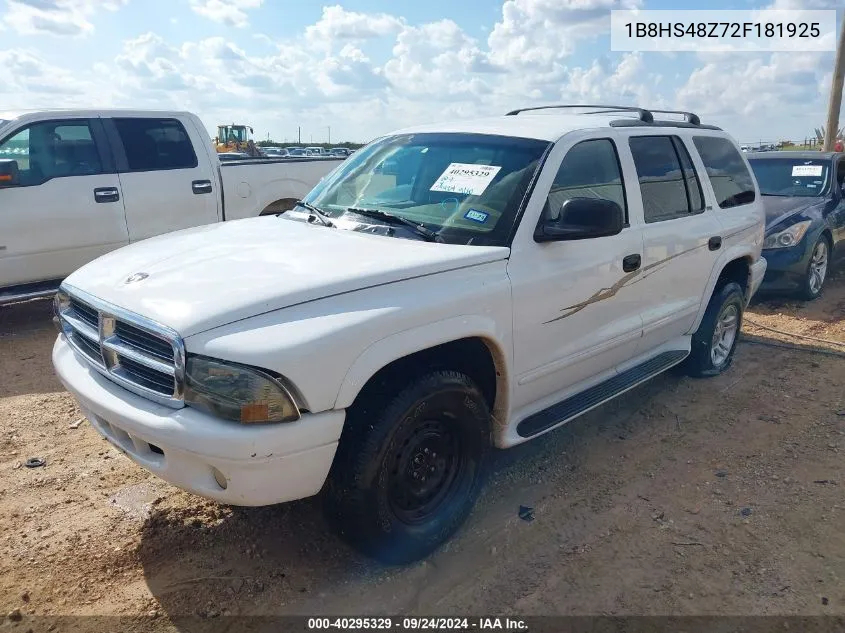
(816, 272)
(714, 343)
(408, 470)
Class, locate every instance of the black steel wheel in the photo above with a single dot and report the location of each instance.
(408, 469)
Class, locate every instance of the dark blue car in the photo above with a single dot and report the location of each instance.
(805, 218)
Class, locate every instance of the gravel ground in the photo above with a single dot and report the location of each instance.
(719, 496)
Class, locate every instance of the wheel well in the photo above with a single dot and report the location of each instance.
(475, 357)
(279, 206)
(826, 235)
(738, 270)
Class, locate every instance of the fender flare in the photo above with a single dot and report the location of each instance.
(402, 344)
(741, 251)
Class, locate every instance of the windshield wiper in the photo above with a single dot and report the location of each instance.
(427, 234)
(316, 212)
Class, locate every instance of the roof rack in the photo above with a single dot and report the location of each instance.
(644, 115)
(689, 117)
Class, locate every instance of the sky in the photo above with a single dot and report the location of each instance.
(356, 69)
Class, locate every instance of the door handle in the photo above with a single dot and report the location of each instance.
(106, 194)
(201, 186)
(715, 243)
(631, 263)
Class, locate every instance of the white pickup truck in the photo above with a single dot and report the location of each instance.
(448, 289)
(75, 184)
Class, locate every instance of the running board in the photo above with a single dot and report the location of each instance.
(29, 291)
(582, 402)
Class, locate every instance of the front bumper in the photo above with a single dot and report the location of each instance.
(787, 268)
(261, 464)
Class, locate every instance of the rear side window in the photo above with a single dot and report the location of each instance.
(590, 169)
(155, 144)
(731, 180)
(668, 183)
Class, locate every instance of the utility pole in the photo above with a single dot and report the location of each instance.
(299, 135)
(330, 135)
(835, 103)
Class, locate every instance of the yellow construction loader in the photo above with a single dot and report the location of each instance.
(236, 138)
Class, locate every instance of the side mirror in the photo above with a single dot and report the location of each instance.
(582, 219)
(9, 173)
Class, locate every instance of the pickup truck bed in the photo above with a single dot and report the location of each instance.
(76, 184)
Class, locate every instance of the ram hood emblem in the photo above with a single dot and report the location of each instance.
(131, 279)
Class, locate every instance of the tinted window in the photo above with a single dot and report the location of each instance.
(728, 174)
(662, 183)
(791, 176)
(590, 169)
(466, 187)
(840, 174)
(152, 144)
(52, 149)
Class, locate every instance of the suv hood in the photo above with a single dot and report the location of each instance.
(779, 208)
(208, 276)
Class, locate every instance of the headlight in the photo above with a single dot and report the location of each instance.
(788, 237)
(61, 302)
(237, 392)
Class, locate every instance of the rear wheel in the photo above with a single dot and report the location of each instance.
(816, 273)
(408, 470)
(714, 343)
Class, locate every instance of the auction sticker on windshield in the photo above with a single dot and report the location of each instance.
(465, 178)
(807, 170)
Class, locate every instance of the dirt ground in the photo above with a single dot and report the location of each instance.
(721, 496)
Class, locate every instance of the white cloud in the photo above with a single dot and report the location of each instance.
(764, 85)
(437, 61)
(56, 17)
(30, 82)
(148, 62)
(339, 25)
(228, 12)
(628, 83)
(537, 33)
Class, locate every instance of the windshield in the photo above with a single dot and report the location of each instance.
(466, 187)
(791, 176)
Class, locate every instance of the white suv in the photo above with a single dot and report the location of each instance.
(446, 290)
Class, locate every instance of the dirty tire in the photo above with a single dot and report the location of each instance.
(817, 269)
(409, 468)
(702, 362)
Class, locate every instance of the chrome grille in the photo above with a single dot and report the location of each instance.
(143, 356)
(140, 340)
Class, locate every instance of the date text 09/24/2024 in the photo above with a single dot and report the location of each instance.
(417, 624)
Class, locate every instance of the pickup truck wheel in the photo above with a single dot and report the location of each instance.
(408, 471)
(714, 343)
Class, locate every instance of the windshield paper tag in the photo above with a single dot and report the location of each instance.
(807, 170)
(476, 216)
(465, 178)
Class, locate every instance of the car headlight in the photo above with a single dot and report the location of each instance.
(61, 302)
(237, 392)
(790, 236)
